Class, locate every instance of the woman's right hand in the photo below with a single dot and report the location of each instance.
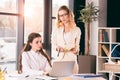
(59, 49)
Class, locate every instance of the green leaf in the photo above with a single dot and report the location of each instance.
(89, 13)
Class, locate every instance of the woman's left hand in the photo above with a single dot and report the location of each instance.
(73, 50)
(45, 73)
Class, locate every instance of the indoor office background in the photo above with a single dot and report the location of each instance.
(18, 18)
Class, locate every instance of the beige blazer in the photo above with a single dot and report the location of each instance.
(67, 40)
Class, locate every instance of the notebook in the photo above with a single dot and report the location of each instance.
(88, 75)
(62, 68)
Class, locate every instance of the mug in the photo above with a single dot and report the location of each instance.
(2, 75)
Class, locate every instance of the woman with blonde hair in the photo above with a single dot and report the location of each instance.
(65, 37)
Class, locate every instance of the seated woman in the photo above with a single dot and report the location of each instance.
(34, 59)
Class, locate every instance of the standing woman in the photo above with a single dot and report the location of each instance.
(34, 59)
(65, 37)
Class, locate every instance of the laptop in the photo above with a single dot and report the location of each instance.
(62, 68)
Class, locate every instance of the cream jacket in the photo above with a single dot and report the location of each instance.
(71, 40)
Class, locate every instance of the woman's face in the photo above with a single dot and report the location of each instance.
(63, 16)
(36, 44)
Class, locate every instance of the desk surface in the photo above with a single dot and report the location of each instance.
(63, 78)
(34, 77)
(67, 78)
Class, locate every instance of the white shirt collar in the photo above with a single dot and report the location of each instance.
(33, 52)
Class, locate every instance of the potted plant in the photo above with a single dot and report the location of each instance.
(88, 14)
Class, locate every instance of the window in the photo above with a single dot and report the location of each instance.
(8, 6)
(11, 29)
(34, 17)
(8, 33)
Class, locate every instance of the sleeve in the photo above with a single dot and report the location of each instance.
(25, 65)
(77, 40)
(54, 43)
(47, 67)
(54, 38)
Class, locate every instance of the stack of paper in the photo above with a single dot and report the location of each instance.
(45, 78)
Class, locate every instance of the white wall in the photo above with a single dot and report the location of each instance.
(103, 13)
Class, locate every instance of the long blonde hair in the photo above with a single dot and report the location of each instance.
(70, 14)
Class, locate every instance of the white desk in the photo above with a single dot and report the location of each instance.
(33, 77)
(67, 78)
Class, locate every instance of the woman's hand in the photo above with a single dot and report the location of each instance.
(45, 73)
(73, 50)
(59, 49)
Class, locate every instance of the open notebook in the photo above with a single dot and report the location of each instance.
(62, 68)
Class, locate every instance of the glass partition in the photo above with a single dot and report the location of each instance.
(9, 6)
(34, 17)
(8, 27)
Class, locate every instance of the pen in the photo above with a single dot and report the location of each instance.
(4, 69)
(39, 79)
(58, 53)
(26, 76)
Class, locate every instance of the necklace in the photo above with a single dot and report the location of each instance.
(64, 35)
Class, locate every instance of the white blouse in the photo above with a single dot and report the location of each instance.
(34, 63)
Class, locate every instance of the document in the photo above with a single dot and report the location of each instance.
(15, 74)
(43, 77)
